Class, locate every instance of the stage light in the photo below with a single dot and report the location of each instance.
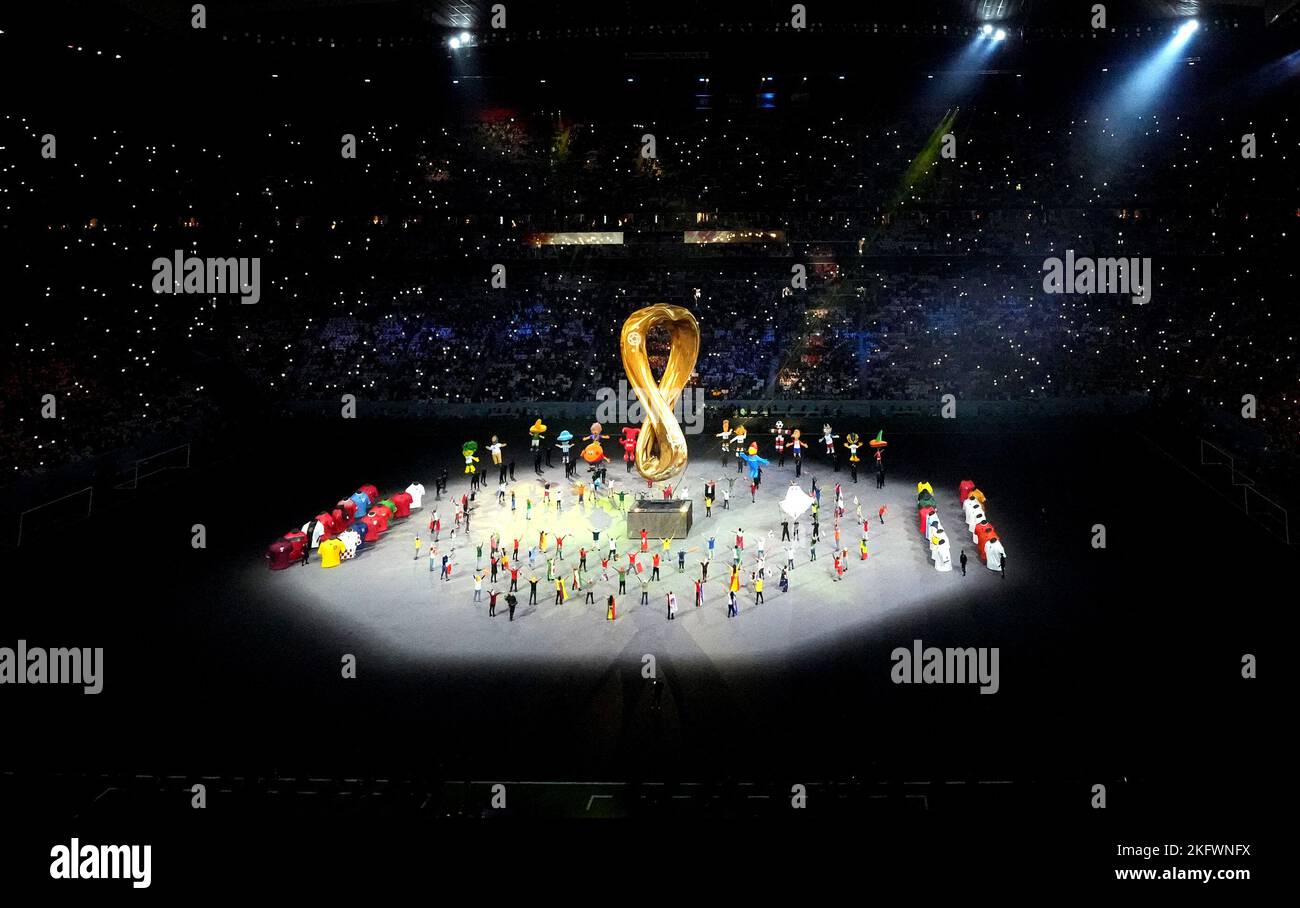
(465, 37)
(1184, 33)
(1150, 82)
(986, 29)
(454, 43)
(1000, 35)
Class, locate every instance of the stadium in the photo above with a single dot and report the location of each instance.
(447, 413)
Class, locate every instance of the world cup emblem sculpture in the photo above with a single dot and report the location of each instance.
(661, 446)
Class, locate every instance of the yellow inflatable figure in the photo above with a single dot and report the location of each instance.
(853, 441)
(468, 450)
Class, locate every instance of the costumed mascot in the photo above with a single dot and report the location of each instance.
(755, 462)
(742, 436)
(536, 435)
(468, 450)
(628, 441)
(495, 448)
(593, 453)
(779, 442)
(725, 435)
(854, 443)
(828, 439)
(796, 501)
(565, 439)
(796, 451)
(878, 444)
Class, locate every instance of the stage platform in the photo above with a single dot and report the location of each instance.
(667, 519)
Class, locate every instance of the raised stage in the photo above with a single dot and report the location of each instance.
(669, 519)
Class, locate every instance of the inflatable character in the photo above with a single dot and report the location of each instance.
(828, 439)
(725, 435)
(878, 444)
(779, 431)
(594, 453)
(796, 501)
(755, 462)
(536, 435)
(565, 445)
(495, 448)
(853, 442)
(468, 450)
(628, 441)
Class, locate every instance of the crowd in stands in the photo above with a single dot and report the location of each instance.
(919, 283)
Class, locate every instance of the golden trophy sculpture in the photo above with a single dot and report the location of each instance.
(661, 446)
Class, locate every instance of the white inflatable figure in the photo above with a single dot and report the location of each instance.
(969, 505)
(316, 533)
(974, 518)
(351, 539)
(993, 554)
(495, 448)
(940, 553)
(416, 491)
(796, 501)
(828, 439)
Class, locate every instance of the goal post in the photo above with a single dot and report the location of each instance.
(1268, 512)
(57, 511)
(177, 458)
